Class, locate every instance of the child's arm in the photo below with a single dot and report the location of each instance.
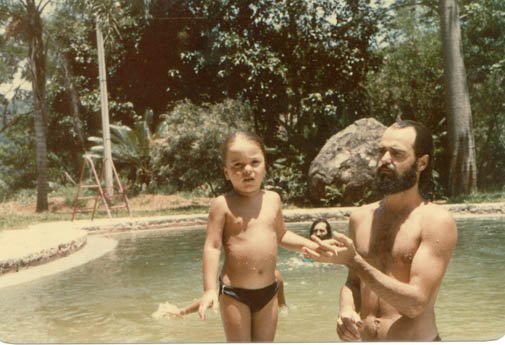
(287, 238)
(281, 298)
(294, 242)
(211, 254)
(191, 308)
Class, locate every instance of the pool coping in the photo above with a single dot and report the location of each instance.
(45, 242)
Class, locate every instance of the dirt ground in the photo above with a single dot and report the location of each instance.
(144, 202)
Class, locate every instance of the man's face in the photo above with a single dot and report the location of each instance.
(397, 165)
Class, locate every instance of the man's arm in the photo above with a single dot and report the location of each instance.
(349, 321)
(211, 255)
(438, 239)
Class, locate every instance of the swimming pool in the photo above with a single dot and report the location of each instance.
(111, 299)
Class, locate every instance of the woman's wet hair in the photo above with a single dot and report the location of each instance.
(423, 145)
(328, 228)
(230, 139)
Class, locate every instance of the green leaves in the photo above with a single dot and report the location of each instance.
(187, 153)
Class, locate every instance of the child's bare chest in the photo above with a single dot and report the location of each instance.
(250, 223)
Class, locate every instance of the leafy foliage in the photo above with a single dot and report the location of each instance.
(300, 64)
(130, 151)
(484, 25)
(187, 154)
(18, 158)
(303, 70)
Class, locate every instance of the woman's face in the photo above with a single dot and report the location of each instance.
(320, 230)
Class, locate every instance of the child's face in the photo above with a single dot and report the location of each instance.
(245, 166)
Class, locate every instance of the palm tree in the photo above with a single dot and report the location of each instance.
(26, 24)
(130, 149)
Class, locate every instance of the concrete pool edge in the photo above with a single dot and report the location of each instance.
(333, 214)
(46, 242)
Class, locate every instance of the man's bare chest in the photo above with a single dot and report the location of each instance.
(389, 247)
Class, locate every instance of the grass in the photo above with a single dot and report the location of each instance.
(19, 212)
(477, 198)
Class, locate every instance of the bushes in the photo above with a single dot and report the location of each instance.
(186, 154)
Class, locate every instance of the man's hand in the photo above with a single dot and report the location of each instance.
(209, 299)
(348, 325)
(338, 250)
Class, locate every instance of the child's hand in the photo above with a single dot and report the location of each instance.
(209, 299)
(338, 250)
(167, 310)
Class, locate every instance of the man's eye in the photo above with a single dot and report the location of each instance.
(397, 153)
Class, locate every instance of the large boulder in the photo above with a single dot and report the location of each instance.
(347, 164)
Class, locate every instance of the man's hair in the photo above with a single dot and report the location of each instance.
(423, 145)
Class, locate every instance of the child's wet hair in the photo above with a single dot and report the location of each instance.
(230, 139)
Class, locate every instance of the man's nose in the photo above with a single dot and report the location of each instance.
(385, 158)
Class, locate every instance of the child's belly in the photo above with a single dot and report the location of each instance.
(250, 260)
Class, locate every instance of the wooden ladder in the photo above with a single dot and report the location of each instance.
(89, 165)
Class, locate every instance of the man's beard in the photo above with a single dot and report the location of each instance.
(393, 183)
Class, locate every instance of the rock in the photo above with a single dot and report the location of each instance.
(347, 163)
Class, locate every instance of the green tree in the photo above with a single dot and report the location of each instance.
(483, 25)
(300, 64)
(130, 151)
(186, 155)
(25, 24)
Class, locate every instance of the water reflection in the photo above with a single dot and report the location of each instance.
(111, 299)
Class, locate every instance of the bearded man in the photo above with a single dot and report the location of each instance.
(398, 249)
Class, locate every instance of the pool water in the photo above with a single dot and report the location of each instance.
(111, 299)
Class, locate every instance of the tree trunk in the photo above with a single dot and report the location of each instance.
(74, 100)
(462, 171)
(37, 61)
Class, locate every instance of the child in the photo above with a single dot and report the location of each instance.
(247, 223)
(171, 311)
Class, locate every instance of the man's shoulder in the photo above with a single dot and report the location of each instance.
(437, 222)
(363, 211)
(435, 213)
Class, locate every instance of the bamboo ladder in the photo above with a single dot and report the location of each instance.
(89, 166)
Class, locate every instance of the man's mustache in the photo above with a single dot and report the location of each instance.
(388, 168)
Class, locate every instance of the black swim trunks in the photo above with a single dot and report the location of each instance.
(255, 299)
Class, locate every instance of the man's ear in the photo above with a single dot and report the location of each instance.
(226, 174)
(422, 162)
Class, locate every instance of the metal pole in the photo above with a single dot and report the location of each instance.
(107, 153)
